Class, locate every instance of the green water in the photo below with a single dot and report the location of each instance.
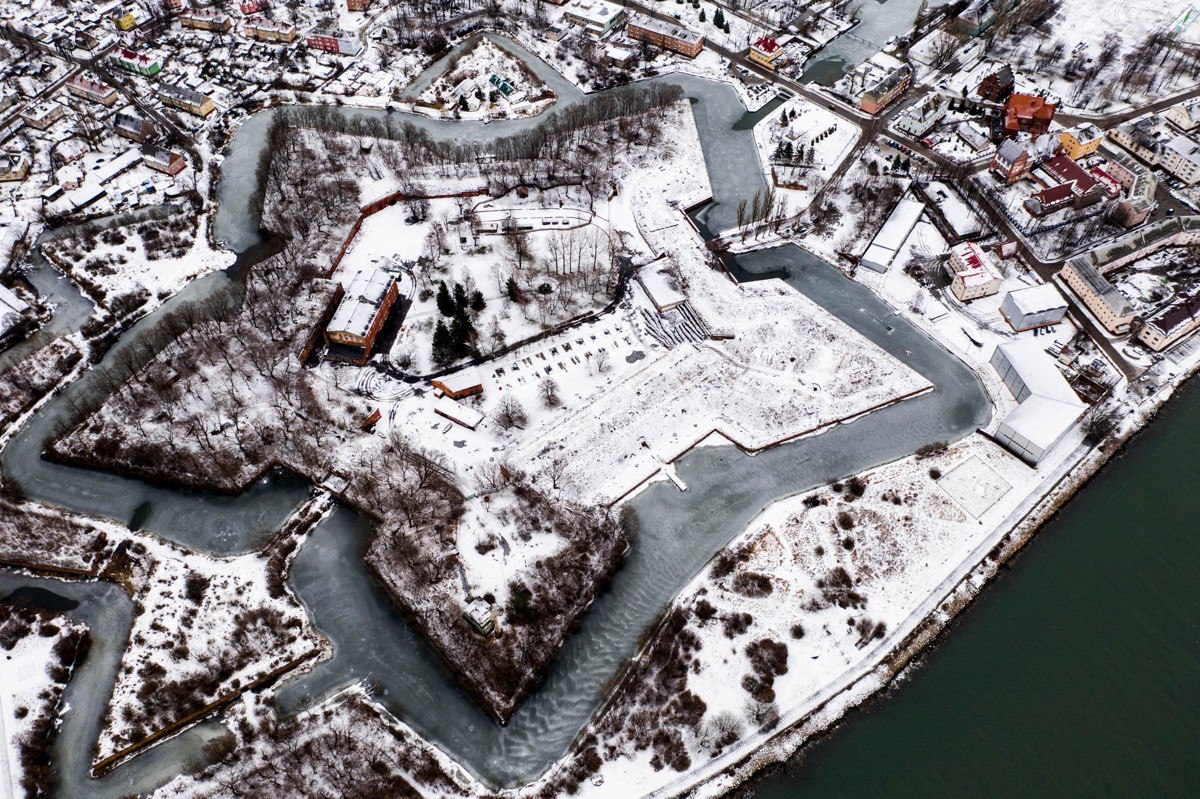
(1077, 673)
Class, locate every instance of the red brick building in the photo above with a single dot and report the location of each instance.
(1024, 113)
(996, 87)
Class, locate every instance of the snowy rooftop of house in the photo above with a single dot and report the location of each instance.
(364, 297)
(1185, 147)
(180, 94)
(976, 266)
(671, 29)
(461, 380)
(766, 44)
(12, 309)
(456, 412)
(596, 12)
(1037, 299)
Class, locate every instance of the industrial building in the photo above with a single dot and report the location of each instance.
(1033, 307)
(1048, 408)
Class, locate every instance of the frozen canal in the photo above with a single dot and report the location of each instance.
(681, 531)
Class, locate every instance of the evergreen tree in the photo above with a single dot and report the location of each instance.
(460, 298)
(461, 331)
(702, 19)
(514, 291)
(462, 102)
(443, 346)
(719, 18)
(726, 27)
(445, 303)
(477, 302)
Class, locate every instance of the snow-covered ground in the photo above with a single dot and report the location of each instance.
(805, 150)
(37, 656)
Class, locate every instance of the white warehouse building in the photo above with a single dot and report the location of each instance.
(1049, 406)
(1036, 306)
(893, 234)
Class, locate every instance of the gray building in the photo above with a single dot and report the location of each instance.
(1035, 306)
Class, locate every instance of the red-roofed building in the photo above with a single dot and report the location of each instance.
(765, 51)
(253, 6)
(1049, 200)
(1024, 113)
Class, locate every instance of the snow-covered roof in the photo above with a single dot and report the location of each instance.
(461, 414)
(12, 310)
(1052, 405)
(1036, 369)
(364, 297)
(462, 380)
(1037, 299)
(899, 224)
(973, 265)
(1041, 421)
(659, 290)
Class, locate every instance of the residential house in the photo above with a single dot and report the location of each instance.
(185, 99)
(269, 30)
(334, 40)
(972, 273)
(1103, 299)
(920, 119)
(1181, 157)
(1025, 113)
(163, 160)
(1144, 137)
(68, 151)
(94, 91)
(1080, 142)
(766, 52)
(997, 86)
(174, 6)
(597, 17)
(135, 63)
(1172, 321)
(14, 165)
(132, 126)
(1033, 307)
(979, 15)
(128, 18)
(667, 35)
(1049, 407)
(360, 6)
(1141, 188)
(249, 7)
(883, 92)
(1184, 117)
(42, 115)
(206, 19)
(1011, 162)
